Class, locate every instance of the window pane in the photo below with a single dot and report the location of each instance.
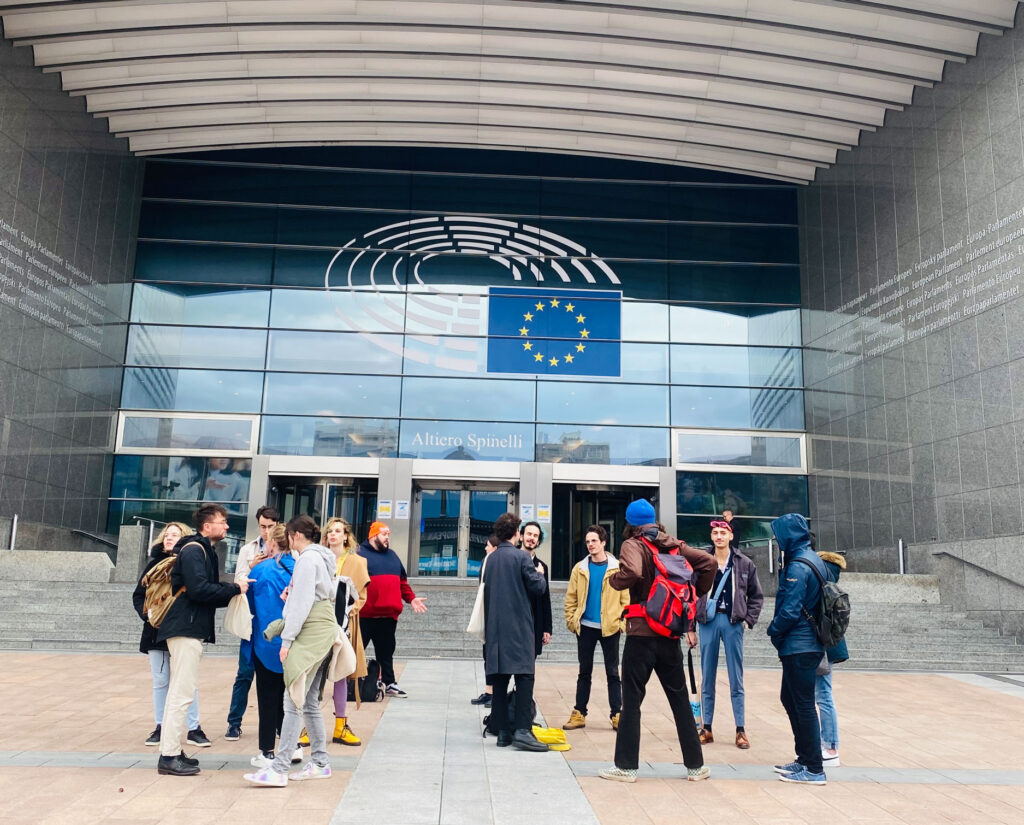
(602, 445)
(155, 261)
(745, 325)
(338, 310)
(294, 393)
(334, 351)
(737, 408)
(747, 450)
(444, 355)
(239, 349)
(773, 284)
(466, 440)
(580, 403)
(756, 244)
(208, 222)
(746, 494)
(182, 478)
(187, 433)
(696, 531)
(644, 321)
(200, 306)
(364, 437)
(732, 366)
(192, 390)
(481, 399)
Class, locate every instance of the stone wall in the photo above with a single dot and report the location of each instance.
(69, 199)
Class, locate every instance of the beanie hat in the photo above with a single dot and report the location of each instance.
(375, 528)
(640, 512)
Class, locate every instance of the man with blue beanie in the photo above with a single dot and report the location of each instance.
(792, 633)
(646, 651)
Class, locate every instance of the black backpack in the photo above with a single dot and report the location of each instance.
(833, 610)
(371, 688)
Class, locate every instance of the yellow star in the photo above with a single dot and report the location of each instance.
(554, 302)
(528, 316)
(580, 348)
(527, 345)
(553, 362)
(538, 357)
(569, 308)
(584, 333)
(524, 331)
(580, 319)
(539, 306)
(568, 359)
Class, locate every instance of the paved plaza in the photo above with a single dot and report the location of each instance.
(916, 748)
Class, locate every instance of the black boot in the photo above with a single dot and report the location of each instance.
(176, 766)
(524, 740)
(188, 760)
(504, 738)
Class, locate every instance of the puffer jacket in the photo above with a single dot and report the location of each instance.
(192, 613)
(747, 596)
(636, 571)
(613, 601)
(799, 590)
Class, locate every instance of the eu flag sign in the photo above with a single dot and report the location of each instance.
(544, 331)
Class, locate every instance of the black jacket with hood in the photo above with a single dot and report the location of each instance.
(192, 613)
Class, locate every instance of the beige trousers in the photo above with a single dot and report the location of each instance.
(185, 655)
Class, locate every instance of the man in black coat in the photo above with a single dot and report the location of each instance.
(189, 623)
(510, 577)
(533, 536)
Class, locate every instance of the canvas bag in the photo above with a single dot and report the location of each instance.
(475, 628)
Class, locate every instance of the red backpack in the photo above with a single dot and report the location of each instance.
(672, 603)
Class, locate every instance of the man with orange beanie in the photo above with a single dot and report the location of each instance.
(388, 588)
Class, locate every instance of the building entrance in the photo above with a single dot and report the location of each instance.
(577, 506)
(451, 523)
(353, 499)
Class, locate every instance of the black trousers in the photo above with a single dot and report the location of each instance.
(270, 702)
(380, 633)
(586, 643)
(487, 679)
(797, 697)
(663, 656)
(499, 704)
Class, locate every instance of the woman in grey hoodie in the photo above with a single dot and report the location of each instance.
(308, 632)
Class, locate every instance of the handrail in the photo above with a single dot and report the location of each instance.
(153, 523)
(94, 537)
(977, 566)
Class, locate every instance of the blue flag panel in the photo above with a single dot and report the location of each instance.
(536, 330)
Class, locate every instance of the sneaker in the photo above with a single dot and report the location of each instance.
(154, 737)
(805, 777)
(791, 767)
(394, 690)
(311, 770)
(698, 774)
(234, 733)
(297, 756)
(483, 699)
(268, 778)
(198, 738)
(618, 774)
(262, 760)
(829, 758)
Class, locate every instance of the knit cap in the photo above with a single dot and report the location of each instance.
(640, 512)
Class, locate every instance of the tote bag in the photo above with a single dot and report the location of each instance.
(475, 628)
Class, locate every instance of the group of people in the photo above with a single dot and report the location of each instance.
(313, 595)
(309, 589)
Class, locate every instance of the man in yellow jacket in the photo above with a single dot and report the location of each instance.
(593, 611)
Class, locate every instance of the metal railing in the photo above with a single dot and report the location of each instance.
(94, 537)
(152, 524)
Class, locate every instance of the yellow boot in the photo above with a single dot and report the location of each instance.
(304, 739)
(343, 733)
(576, 720)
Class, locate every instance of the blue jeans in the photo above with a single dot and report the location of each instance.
(160, 667)
(243, 681)
(721, 630)
(797, 697)
(826, 711)
(294, 718)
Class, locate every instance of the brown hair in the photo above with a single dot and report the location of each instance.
(304, 526)
(207, 513)
(602, 534)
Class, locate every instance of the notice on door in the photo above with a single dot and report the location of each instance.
(384, 509)
(401, 509)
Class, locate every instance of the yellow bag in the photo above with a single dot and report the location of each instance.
(554, 738)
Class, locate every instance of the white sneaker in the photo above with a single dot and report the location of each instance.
(829, 758)
(311, 770)
(261, 760)
(267, 778)
(297, 756)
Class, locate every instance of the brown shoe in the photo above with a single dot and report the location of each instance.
(741, 741)
(706, 737)
(576, 720)
(615, 721)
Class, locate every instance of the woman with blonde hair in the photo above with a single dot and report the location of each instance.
(338, 538)
(159, 658)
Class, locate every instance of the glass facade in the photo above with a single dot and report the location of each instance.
(353, 309)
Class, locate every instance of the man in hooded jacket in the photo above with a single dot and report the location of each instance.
(791, 631)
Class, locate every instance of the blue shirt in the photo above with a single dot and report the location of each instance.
(592, 612)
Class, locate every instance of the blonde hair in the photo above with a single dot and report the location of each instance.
(279, 536)
(350, 539)
(184, 529)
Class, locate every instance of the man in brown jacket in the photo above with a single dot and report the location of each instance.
(646, 651)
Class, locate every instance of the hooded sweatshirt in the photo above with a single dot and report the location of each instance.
(799, 591)
(312, 581)
(388, 587)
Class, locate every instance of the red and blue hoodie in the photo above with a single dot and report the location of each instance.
(388, 586)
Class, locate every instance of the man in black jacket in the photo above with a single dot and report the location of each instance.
(540, 603)
(188, 624)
